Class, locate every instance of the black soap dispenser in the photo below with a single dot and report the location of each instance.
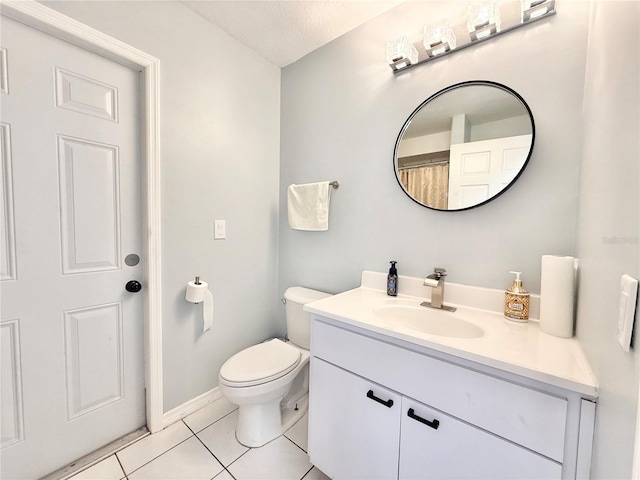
(392, 280)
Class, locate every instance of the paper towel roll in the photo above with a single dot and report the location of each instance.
(200, 293)
(557, 292)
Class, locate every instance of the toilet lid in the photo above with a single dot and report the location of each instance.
(261, 363)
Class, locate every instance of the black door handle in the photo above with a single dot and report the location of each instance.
(386, 403)
(133, 286)
(433, 424)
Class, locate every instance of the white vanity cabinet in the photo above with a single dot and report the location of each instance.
(381, 409)
(364, 431)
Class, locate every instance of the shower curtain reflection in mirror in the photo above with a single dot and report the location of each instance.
(428, 184)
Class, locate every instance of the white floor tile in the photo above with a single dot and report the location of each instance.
(220, 438)
(224, 475)
(189, 460)
(151, 446)
(298, 433)
(209, 414)
(315, 474)
(107, 469)
(277, 460)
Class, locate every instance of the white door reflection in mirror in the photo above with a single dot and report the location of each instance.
(481, 170)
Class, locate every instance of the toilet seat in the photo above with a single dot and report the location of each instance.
(260, 363)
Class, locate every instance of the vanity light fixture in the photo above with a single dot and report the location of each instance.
(483, 19)
(438, 38)
(532, 9)
(401, 53)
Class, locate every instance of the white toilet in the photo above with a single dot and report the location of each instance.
(270, 381)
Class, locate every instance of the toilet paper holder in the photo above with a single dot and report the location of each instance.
(198, 292)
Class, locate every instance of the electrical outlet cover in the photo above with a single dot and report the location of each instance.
(627, 310)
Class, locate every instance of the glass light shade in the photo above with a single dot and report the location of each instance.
(438, 38)
(532, 9)
(401, 53)
(483, 19)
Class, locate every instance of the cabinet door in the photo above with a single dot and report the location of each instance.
(436, 446)
(354, 425)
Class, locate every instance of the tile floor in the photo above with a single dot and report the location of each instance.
(204, 446)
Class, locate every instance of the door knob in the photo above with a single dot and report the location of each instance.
(133, 286)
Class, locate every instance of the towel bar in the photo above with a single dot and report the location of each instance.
(335, 184)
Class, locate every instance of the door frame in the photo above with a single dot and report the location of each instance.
(54, 23)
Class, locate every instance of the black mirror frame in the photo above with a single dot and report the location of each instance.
(442, 92)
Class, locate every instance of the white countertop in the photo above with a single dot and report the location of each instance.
(519, 348)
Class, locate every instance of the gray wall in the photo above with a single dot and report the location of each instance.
(342, 109)
(609, 225)
(220, 107)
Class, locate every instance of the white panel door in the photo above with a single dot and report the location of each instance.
(71, 334)
(480, 170)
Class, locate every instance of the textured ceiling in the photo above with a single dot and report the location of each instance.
(286, 30)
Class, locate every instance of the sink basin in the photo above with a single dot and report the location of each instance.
(428, 320)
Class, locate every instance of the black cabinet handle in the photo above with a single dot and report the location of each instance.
(386, 403)
(433, 424)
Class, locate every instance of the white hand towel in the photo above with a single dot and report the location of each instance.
(308, 206)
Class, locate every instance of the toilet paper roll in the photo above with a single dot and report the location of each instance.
(200, 293)
(557, 295)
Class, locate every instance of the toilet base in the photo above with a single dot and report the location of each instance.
(259, 424)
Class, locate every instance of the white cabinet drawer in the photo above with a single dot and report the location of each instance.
(525, 416)
(434, 445)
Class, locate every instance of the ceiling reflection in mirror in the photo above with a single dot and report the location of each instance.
(464, 146)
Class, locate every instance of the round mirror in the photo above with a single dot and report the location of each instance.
(464, 146)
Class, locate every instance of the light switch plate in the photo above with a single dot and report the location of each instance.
(219, 230)
(627, 310)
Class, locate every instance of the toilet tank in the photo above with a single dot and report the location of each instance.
(299, 321)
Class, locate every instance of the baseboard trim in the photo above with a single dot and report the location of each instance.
(187, 408)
